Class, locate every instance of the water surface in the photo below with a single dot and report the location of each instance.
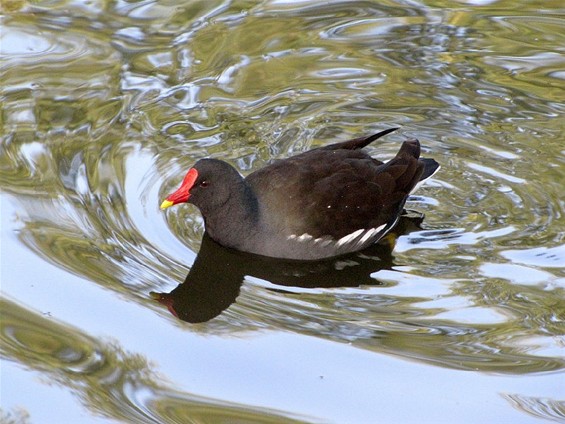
(105, 105)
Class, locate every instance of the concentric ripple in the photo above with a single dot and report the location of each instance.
(106, 105)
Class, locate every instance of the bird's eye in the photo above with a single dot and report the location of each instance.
(204, 183)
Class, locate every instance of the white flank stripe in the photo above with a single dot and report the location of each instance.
(305, 237)
(345, 240)
(323, 241)
(350, 237)
(371, 233)
(367, 235)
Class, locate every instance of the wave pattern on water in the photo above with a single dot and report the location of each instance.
(110, 381)
(106, 105)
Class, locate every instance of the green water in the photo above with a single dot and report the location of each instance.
(106, 104)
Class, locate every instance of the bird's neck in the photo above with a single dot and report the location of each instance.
(237, 220)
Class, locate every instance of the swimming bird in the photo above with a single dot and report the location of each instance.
(321, 203)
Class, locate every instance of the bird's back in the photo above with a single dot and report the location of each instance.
(335, 190)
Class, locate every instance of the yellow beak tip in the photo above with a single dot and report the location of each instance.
(166, 204)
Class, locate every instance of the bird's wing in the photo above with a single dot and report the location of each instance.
(336, 192)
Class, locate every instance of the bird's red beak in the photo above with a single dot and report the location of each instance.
(183, 192)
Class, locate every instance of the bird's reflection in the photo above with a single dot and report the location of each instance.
(217, 274)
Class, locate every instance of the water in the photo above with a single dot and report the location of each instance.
(105, 105)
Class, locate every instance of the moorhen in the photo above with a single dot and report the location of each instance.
(318, 204)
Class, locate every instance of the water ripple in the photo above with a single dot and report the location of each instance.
(106, 379)
(105, 105)
(545, 408)
(46, 346)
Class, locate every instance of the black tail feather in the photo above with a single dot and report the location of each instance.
(430, 168)
(358, 143)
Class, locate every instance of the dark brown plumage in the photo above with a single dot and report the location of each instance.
(324, 202)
